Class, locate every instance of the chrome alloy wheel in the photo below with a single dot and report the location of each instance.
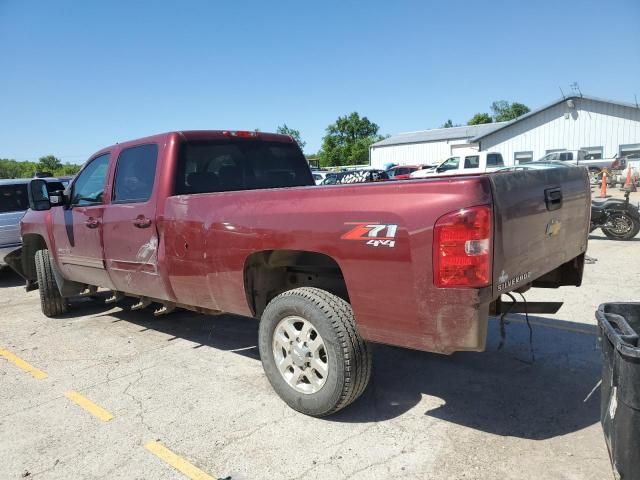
(300, 354)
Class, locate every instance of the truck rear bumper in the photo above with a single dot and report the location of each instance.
(458, 328)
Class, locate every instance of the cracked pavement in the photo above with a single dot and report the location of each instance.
(195, 383)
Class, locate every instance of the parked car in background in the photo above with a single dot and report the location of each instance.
(355, 176)
(401, 172)
(318, 176)
(14, 202)
(464, 163)
(581, 158)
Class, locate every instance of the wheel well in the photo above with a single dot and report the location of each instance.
(269, 273)
(31, 243)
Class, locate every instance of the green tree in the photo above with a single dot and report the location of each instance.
(10, 168)
(447, 124)
(68, 170)
(49, 163)
(347, 141)
(504, 111)
(293, 133)
(480, 118)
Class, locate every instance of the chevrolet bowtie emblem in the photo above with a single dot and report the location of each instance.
(553, 228)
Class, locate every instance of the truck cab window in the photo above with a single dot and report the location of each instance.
(238, 164)
(472, 161)
(88, 189)
(135, 174)
(494, 160)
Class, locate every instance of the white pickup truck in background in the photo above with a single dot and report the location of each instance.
(464, 163)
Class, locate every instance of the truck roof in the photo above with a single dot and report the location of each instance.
(195, 135)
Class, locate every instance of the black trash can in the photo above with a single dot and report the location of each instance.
(620, 408)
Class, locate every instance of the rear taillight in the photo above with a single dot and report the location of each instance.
(462, 248)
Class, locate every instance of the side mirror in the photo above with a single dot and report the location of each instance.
(38, 195)
(440, 169)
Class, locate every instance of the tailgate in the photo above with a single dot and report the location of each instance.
(541, 223)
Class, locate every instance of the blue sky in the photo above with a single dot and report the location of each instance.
(76, 76)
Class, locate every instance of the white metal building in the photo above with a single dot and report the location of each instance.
(603, 127)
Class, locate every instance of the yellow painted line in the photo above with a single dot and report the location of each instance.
(89, 406)
(176, 461)
(21, 364)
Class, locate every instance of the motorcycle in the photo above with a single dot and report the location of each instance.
(618, 219)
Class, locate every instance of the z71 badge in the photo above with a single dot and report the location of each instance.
(373, 234)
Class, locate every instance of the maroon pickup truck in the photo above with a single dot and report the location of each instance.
(231, 221)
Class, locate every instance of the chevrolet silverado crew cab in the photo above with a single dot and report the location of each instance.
(231, 221)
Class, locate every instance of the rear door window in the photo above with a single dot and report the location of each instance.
(135, 174)
(239, 164)
(13, 198)
(472, 161)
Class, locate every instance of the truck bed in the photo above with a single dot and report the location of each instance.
(391, 287)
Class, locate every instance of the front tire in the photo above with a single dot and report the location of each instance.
(51, 302)
(311, 351)
(626, 227)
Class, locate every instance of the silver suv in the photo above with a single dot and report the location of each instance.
(14, 202)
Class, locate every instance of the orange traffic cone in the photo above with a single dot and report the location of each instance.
(629, 184)
(603, 187)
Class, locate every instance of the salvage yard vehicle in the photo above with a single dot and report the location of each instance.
(14, 202)
(355, 176)
(463, 164)
(401, 172)
(231, 221)
(618, 219)
(581, 158)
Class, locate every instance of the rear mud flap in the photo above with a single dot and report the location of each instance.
(14, 260)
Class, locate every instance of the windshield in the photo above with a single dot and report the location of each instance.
(449, 164)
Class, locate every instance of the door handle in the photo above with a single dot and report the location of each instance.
(92, 222)
(142, 222)
(553, 198)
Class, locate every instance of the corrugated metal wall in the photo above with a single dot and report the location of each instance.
(589, 124)
(413, 153)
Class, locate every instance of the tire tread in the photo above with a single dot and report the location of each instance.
(51, 302)
(356, 351)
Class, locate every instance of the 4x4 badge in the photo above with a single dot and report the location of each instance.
(373, 234)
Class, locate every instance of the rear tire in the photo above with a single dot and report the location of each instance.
(305, 318)
(51, 302)
(633, 229)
